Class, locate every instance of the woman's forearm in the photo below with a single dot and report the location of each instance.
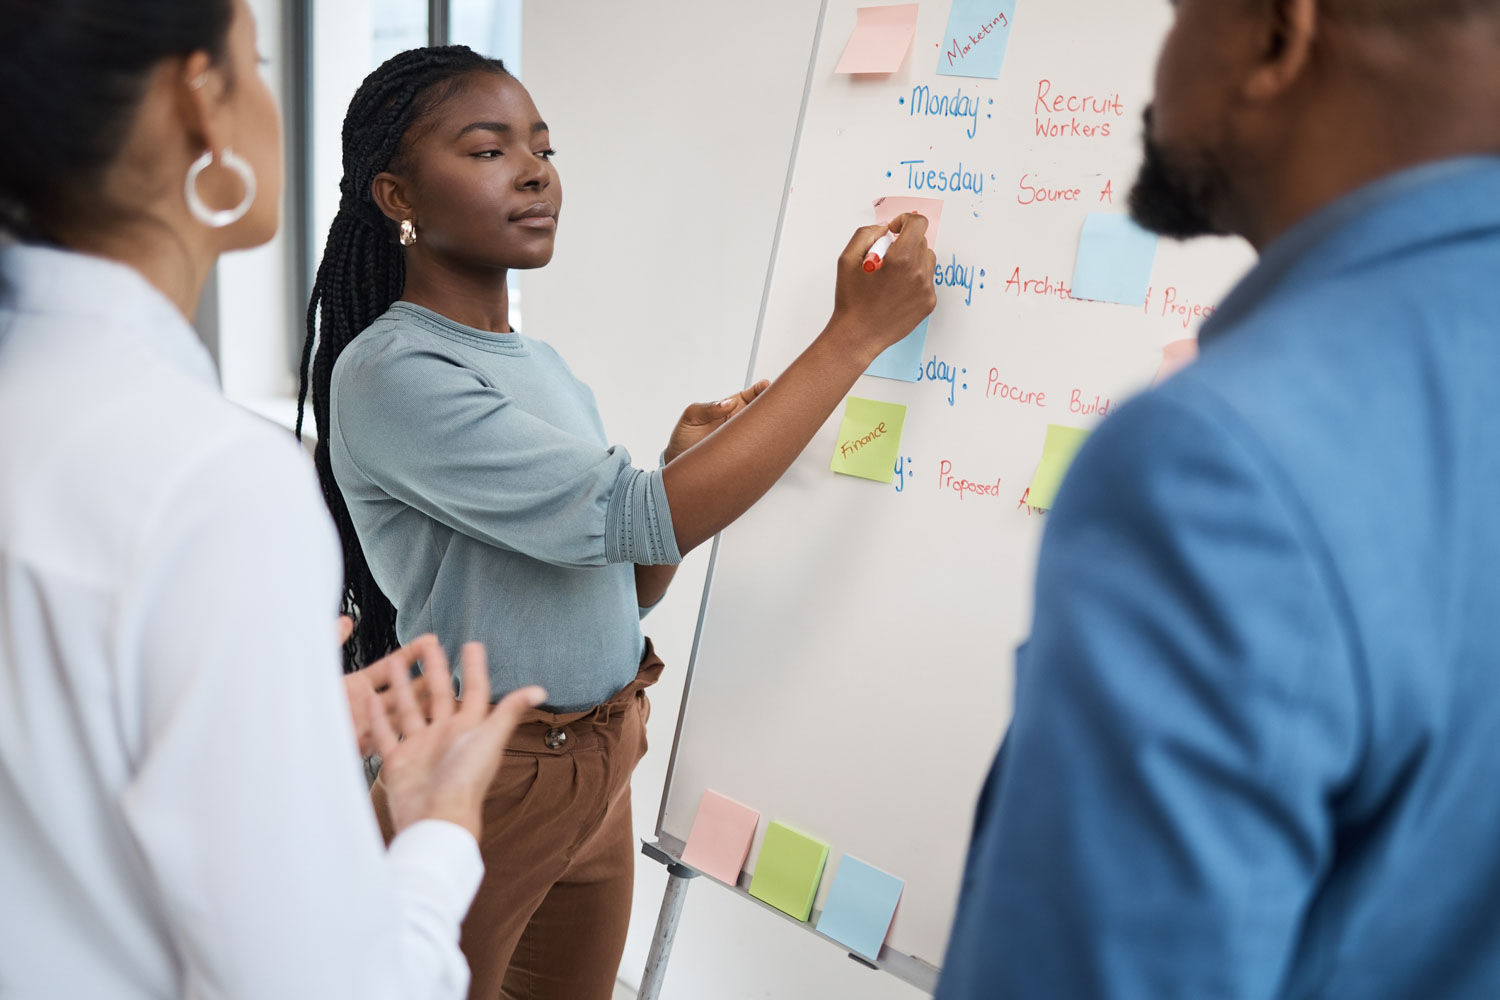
(721, 477)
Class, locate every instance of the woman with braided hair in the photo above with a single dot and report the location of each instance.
(477, 495)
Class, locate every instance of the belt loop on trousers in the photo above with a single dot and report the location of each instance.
(603, 713)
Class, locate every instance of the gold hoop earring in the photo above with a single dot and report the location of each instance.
(408, 232)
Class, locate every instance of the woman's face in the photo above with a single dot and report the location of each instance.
(477, 178)
(252, 128)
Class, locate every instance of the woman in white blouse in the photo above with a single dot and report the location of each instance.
(182, 811)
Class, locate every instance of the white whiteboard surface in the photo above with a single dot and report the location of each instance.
(853, 669)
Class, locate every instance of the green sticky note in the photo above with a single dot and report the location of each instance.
(788, 870)
(869, 439)
(1057, 454)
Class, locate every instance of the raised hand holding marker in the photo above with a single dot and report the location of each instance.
(875, 259)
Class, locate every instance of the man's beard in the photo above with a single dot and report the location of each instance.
(1177, 198)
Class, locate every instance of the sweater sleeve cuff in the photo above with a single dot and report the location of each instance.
(639, 522)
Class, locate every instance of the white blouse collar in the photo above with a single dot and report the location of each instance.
(91, 292)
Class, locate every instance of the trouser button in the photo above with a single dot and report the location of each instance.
(555, 738)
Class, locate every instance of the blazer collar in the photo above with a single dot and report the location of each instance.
(1434, 203)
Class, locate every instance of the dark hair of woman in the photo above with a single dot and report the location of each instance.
(70, 84)
(361, 275)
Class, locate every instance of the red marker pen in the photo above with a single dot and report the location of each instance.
(875, 259)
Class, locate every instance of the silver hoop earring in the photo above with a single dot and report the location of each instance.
(408, 232)
(227, 216)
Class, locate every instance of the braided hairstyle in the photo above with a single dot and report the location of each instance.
(361, 274)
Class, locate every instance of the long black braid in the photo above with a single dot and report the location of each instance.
(361, 274)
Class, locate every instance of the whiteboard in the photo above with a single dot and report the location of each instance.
(852, 672)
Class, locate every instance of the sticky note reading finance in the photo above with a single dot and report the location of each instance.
(880, 40)
(869, 439)
(788, 870)
(1061, 446)
(931, 209)
(974, 44)
(720, 839)
(903, 359)
(1115, 258)
(860, 907)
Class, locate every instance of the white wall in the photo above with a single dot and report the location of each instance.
(674, 122)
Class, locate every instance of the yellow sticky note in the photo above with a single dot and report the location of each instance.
(1057, 454)
(788, 870)
(869, 439)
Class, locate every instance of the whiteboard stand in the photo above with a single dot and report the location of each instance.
(678, 878)
(668, 851)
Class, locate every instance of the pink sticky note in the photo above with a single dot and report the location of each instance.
(720, 839)
(887, 209)
(1174, 357)
(880, 40)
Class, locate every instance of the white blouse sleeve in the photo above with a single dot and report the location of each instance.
(248, 802)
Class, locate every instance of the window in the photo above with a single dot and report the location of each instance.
(492, 27)
(350, 38)
(397, 25)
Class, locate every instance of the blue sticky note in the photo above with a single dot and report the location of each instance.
(861, 905)
(903, 359)
(974, 44)
(1115, 258)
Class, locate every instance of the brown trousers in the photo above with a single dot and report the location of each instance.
(550, 918)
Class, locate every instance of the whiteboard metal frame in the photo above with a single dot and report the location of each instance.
(907, 968)
(667, 849)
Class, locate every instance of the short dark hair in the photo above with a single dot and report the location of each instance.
(72, 75)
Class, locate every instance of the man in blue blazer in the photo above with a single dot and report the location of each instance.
(1256, 747)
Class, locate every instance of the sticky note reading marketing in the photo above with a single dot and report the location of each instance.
(869, 439)
(931, 209)
(974, 44)
(720, 839)
(903, 359)
(860, 907)
(1061, 446)
(788, 870)
(1115, 258)
(880, 40)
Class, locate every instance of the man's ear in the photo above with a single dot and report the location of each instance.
(1291, 27)
(391, 196)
